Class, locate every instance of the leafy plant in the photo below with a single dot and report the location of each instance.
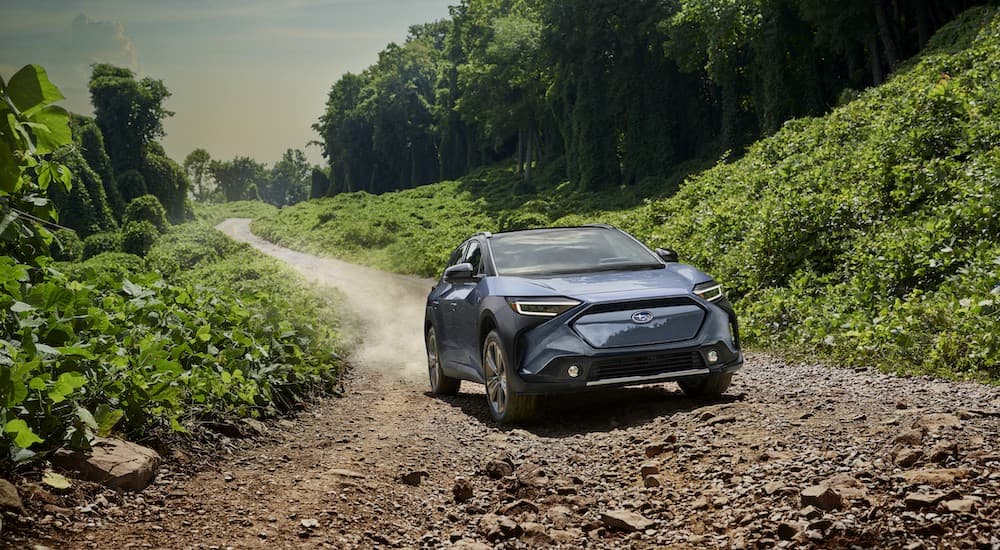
(138, 237)
(31, 131)
(66, 245)
(147, 208)
(99, 243)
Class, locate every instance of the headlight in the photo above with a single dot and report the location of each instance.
(547, 307)
(710, 291)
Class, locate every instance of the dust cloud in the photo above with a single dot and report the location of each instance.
(389, 307)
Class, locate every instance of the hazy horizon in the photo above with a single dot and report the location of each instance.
(247, 77)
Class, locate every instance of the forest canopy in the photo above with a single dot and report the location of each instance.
(606, 93)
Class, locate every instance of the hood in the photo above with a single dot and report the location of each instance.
(606, 285)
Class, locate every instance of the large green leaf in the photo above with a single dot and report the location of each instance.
(107, 418)
(51, 129)
(30, 88)
(21, 434)
(66, 384)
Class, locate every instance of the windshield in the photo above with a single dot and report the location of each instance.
(571, 250)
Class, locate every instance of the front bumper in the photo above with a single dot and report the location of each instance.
(546, 352)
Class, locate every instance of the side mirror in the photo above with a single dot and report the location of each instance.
(667, 255)
(459, 272)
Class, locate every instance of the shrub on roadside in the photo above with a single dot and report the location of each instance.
(188, 245)
(99, 243)
(115, 266)
(138, 237)
(147, 208)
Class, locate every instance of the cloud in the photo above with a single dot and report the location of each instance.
(97, 41)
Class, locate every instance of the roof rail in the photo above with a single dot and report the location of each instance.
(601, 225)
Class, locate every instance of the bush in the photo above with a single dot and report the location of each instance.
(148, 208)
(156, 354)
(66, 246)
(138, 237)
(131, 185)
(99, 243)
(188, 245)
(113, 266)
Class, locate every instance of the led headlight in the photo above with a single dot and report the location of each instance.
(709, 290)
(547, 307)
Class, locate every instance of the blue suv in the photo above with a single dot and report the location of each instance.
(567, 309)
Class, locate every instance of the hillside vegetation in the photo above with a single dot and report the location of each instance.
(868, 236)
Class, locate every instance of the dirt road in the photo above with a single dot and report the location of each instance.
(794, 455)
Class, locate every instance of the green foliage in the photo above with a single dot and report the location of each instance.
(319, 183)
(114, 266)
(866, 237)
(189, 245)
(196, 166)
(132, 353)
(129, 113)
(166, 180)
(99, 243)
(131, 185)
(215, 213)
(90, 141)
(288, 181)
(138, 237)
(147, 208)
(31, 131)
(84, 206)
(66, 245)
(238, 178)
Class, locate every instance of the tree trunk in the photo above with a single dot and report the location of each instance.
(529, 153)
(886, 35)
(923, 24)
(874, 60)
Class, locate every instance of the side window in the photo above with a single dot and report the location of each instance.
(456, 256)
(475, 256)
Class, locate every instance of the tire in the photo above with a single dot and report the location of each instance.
(441, 384)
(706, 387)
(505, 406)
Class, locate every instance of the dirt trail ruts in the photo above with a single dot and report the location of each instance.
(910, 462)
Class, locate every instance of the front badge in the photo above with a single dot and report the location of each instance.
(642, 317)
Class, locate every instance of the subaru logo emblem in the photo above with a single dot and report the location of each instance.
(642, 317)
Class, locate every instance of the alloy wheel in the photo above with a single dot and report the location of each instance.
(496, 377)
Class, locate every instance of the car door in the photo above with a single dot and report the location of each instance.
(442, 310)
(463, 303)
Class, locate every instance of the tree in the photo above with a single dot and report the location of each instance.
(129, 113)
(504, 80)
(238, 178)
(320, 183)
(196, 166)
(288, 181)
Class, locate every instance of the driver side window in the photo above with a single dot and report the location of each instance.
(475, 256)
(456, 256)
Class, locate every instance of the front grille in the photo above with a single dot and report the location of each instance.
(641, 304)
(645, 365)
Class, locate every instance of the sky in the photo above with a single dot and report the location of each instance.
(248, 77)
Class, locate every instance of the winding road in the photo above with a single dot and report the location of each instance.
(793, 455)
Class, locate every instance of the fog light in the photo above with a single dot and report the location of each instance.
(713, 356)
(573, 371)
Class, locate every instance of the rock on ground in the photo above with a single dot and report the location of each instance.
(114, 463)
